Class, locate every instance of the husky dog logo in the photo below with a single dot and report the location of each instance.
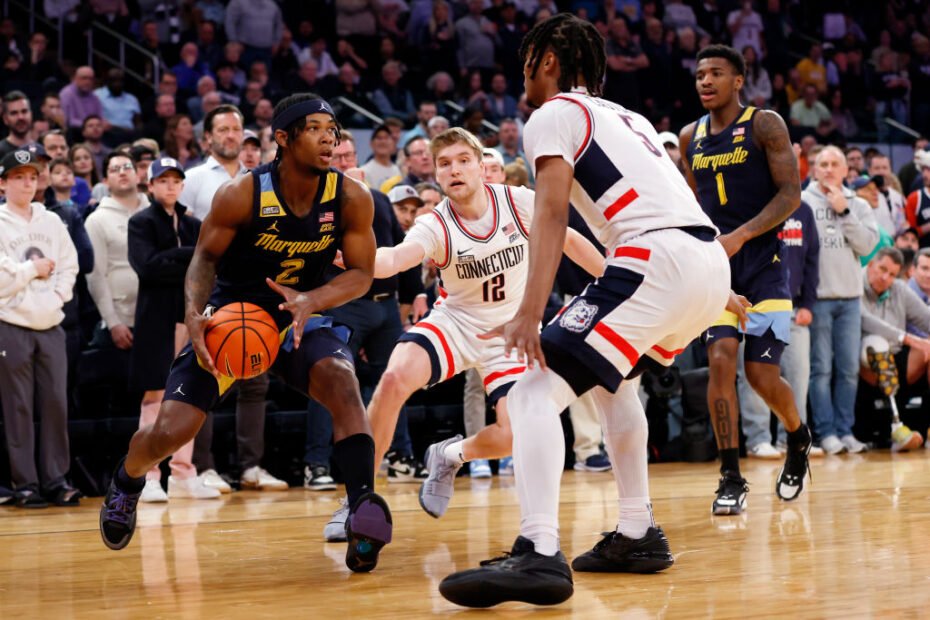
(579, 317)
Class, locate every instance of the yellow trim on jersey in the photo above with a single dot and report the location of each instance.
(329, 192)
(223, 382)
(766, 306)
(269, 199)
(701, 131)
(746, 115)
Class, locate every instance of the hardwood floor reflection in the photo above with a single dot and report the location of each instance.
(855, 545)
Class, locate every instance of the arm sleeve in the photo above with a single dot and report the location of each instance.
(66, 265)
(558, 129)
(871, 324)
(97, 284)
(811, 277)
(860, 227)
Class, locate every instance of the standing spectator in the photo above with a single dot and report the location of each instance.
(38, 266)
(841, 117)
(78, 100)
(811, 69)
(889, 198)
(624, 61)
(509, 145)
(847, 230)
(891, 88)
(679, 15)
(191, 68)
(17, 116)
(746, 28)
(205, 86)
(381, 166)
(251, 154)
(317, 51)
(180, 143)
(477, 39)
(757, 88)
(161, 242)
(85, 175)
(262, 114)
(809, 112)
(121, 109)
(113, 284)
(166, 14)
(391, 98)
(437, 42)
(92, 137)
(257, 24)
(55, 144)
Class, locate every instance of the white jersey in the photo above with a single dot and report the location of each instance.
(625, 184)
(483, 265)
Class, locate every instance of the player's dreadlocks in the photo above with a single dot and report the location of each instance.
(578, 46)
(294, 129)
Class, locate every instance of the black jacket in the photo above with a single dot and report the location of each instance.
(160, 256)
(85, 254)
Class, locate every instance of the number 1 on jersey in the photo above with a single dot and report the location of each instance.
(493, 289)
(721, 189)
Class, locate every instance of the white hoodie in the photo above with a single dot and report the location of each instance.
(113, 284)
(25, 299)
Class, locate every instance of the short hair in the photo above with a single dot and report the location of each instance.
(346, 136)
(61, 161)
(893, 253)
(411, 141)
(577, 44)
(425, 185)
(225, 108)
(455, 135)
(727, 53)
(507, 119)
(426, 102)
(51, 132)
(110, 157)
(515, 174)
(853, 148)
(922, 252)
(14, 95)
(88, 118)
(830, 149)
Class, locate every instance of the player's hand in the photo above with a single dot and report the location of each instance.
(522, 334)
(196, 326)
(803, 317)
(731, 242)
(836, 199)
(122, 337)
(300, 305)
(419, 308)
(44, 267)
(737, 304)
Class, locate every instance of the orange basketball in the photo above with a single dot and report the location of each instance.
(243, 340)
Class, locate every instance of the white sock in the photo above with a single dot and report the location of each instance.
(635, 516)
(534, 404)
(453, 452)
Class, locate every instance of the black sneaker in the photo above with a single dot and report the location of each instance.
(731, 494)
(29, 497)
(616, 553)
(790, 480)
(401, 467)
(118, 516)
(368, 528)
(317, 478)
(420, 472)
(521, 575)
(65, 495)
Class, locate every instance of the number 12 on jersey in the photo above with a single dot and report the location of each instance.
(493, 289)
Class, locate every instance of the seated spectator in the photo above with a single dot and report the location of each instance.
(317, 51)
(17, 116)
(406, 202)
(78, 100)
(180, 143)
(253, 94)
(419, 165)
(917, 208)
(164, 109)
(811, 70)
(679, 15)
(61, 181)
(809, 112)
(306, 78)
(189, 70)
(283, 59)
(509, 147)
(493, 166)
(85, 176)
(262, 114)
(747, 27)
(516, 174)
(908, 174)
(51, 111)
(440, 87)
(436, 44)
(391, 98)
(888, 306)
(473, 94)
(890, 91)
(381, 166)
(625, 63)
(211, 52)
(142, 158)
(205, 86)
(757, 88)
(232, 56)
(501, 104)
(39, 267)
(919, 281)
(431, 196)
(227, 85)
(436, 126)
(842, 118)
(425, 111)
(167, 85)
(121, 109)
(210, 101)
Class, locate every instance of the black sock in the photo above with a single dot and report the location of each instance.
(729, 460)
(125, 482)
(355, 456)
(799, 438)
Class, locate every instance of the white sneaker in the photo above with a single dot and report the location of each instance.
(764, 450)
(832, 445)
(815, 451)
(260, 480)
(335, 529)
(214, 481)
(152, 493)
(853, 445)
(191, 488)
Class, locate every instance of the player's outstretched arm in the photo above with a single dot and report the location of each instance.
(391, 261)
(583, 253)
(771, 133)
(231, 210)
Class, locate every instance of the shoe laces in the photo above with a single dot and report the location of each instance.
(608, 537)
(729, 482)
(120, 506)
(498, 560)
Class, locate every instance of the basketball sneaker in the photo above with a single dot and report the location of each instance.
(853, 445)
(401, 467)
(731, 494)
(437, 490)
(479, 468)
(214, 480)
(616, 553)
(790, 481)
(317, 478)
(595, 462)
(152, 493)
(335, 529)
(190, 488)
(505, 466)
(521, 575)
(118, 516)
(258, 479)
(368, 529)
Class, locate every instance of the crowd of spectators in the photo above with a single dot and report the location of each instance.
(200, 86)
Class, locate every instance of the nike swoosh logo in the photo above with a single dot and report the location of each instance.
(460, 252)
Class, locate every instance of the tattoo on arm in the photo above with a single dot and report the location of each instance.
(771, 134)
(198, 283)
(721, 421)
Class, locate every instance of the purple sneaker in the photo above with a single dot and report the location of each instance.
(368, 528)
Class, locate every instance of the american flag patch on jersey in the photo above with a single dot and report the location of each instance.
(739, 131)
(326, 217)
(509, 228)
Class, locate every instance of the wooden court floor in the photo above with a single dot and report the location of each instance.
(855, 545)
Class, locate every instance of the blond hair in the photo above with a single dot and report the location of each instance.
(516, 175)
(456, 135)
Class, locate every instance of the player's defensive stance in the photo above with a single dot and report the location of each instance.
(478, 238)
(271, 234)
(666, 280)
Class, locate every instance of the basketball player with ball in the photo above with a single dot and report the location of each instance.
(260, 258)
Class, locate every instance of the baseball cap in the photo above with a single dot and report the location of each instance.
(37, 150)
(161, 165)
(248, 134)
(399, 193)
(861, 182)
(19, 158)
(495, 155)
(667, 137)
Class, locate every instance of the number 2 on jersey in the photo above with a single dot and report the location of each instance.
(493, 289)
(290, 266)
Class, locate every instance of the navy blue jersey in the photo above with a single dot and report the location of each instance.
(277, 244)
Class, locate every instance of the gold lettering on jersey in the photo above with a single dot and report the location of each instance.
(327, 228)
(737, 156)
(272, 243)
(497, 262)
